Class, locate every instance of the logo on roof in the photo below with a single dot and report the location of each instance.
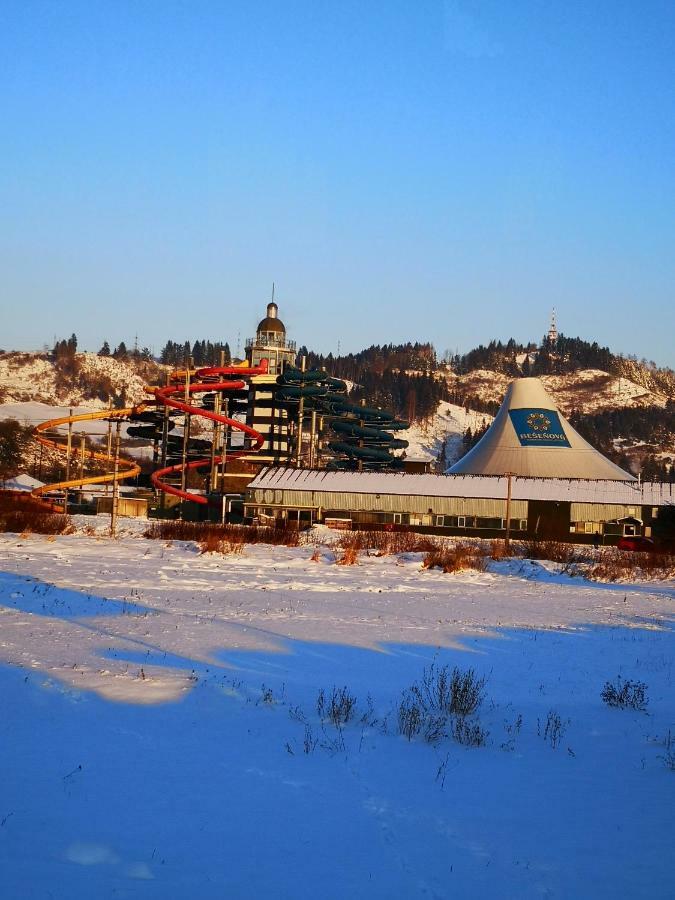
(538, 421)
(538, 428)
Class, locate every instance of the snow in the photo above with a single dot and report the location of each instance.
(593, 390)
(26, 377)
(157, 701)
(449, 422)
(20, 483)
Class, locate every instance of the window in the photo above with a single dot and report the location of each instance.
(440, 521)
(461, 521)
(523, 525)
(588, 527)
(397, 518)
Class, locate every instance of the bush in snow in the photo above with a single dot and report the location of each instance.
(669, 756)
(24, 515)
(625, 694)
(338, 708)
(455, 558)
(554, 729)
(471, 734)
(426, 706)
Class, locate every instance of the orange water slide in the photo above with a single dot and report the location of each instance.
(210, 380)
(127, 468)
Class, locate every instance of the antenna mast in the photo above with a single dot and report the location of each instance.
(553, 330)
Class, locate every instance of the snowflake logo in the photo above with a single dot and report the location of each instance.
(538, 422)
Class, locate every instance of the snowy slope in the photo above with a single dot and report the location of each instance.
(165, 738)
(450, 423)
(590, 389)
(26, 377)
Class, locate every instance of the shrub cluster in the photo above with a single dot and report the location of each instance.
(222, 538)
(387, 543)
(555, 551)
(24, 514)
(616, 565)
(441, 698)
(456, 557)
(625, 694)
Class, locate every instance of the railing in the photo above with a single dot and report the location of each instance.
(270, 340)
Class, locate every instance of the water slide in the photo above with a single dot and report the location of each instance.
(126, 468)
(364, 437)
(210, 381)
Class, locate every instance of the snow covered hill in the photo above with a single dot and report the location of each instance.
(590, 390)
(90, 380)
(449, 424)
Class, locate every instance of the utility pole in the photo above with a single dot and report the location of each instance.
(165, 438)
(509, 475)
(82, 453)
(186, 431)
(115, 489)
(301, 413)
(108, 444)
(69, 450)
(312, 440)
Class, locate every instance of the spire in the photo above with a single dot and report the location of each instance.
(553, 330)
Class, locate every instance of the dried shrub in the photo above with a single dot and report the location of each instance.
(442, 695)
(388, 543)
(554, 551)
(668, 756)
(222, 538)
(455, 558)
(338, 708)
(350, 557)
(625, 694)
(616, 565)
(470, 734)
(498, 550)
(554, 729)
(24, 515)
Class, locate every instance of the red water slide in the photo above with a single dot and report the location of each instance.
(166, 397)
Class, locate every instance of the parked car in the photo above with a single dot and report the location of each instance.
(636, 542)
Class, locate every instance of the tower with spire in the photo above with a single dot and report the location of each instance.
(553, 330)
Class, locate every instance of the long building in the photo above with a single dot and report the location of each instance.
(471, 505)
(531, 467)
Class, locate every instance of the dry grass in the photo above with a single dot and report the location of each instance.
(350, 557)
(615, 565)
(498, 550)
(222, 538)
(554, 551)
(456, 558)
(26, 515)
(388, 543)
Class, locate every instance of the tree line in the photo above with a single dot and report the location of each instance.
(203, 352)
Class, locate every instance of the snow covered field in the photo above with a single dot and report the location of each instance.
(158, 705)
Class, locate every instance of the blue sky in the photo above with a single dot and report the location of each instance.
(402, 171)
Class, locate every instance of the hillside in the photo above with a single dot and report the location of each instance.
(624, 407)
(82, 379)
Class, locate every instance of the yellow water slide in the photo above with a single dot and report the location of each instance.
(126, 468)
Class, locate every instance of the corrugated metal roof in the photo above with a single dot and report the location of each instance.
(555, 489)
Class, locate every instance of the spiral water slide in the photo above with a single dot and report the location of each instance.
(211, 379)
(366, 441)
(126, 468)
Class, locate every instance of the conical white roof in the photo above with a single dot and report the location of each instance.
(530, 438)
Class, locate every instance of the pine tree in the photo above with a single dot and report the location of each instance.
(105, 349)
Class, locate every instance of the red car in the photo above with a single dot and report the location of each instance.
(636, 542)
